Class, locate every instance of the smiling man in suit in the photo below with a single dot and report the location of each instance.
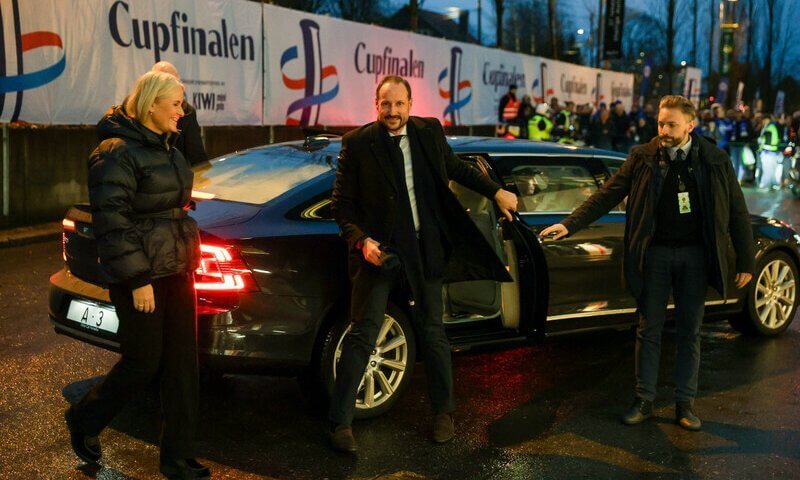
(391, 191)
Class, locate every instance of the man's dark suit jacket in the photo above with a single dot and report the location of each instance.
(366, 199)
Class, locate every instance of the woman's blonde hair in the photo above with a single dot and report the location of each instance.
(150, 88)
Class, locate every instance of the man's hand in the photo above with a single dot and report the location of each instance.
(371, 251)
(144, 300)
(506, 202)
(557, 231)
(743, 279)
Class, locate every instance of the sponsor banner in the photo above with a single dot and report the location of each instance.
(612, 28)
(495, 71)
(566, 81)
(67, 61)
(615, 86)
(324, 71)
(244, 63)
(691, 84)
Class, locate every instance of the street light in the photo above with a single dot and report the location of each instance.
(683, 63)
(581, 31)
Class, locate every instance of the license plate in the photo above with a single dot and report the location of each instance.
(93, 317)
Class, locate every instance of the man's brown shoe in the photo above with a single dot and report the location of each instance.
(685, 417)
(342, 439)
(443, 429)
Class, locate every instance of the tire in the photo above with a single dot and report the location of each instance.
(389, 371)
(795, 189)
(772, 297)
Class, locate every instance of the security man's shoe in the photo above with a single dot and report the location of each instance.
(87, 448)
(640, 411)
(443, 429)
(685, 417)
(186, 469)
(342, 440)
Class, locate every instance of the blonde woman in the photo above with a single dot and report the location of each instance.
(139, 188)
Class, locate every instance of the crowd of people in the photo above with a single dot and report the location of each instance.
(761, 146)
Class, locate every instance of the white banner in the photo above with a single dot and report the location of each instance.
(691, 84)
(324, 71)
(494, 71)
(567, 81)
(79, 57)
(616, 86)
(67, 61)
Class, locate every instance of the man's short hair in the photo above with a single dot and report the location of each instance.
(678, 102)
(393, 79)
(512, 87)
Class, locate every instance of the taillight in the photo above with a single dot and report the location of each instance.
(222, 269)
(69, 226)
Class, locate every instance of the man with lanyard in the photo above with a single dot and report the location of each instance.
(684, 207)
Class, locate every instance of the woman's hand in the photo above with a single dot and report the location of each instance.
(143, 299)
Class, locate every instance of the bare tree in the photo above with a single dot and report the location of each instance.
(711, 37)
(768, 59)
(527, 26)
(313, 6)
(413, 13)
(499, 10)
(552, 22)
(645, 31)
(365, 11)
(694, 33)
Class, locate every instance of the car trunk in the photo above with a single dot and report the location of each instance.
(80, 246)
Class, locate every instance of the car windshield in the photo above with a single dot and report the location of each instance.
(260, 175)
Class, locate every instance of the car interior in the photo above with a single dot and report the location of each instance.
(481, 299)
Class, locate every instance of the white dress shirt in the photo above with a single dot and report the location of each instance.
(405, 147)
(672, 151)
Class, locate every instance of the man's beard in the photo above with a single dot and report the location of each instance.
(398, 119)
(666, 141)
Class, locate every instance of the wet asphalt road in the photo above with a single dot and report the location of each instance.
(546, 411)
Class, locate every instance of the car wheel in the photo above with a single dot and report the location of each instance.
(390, 366)
(795, 189)
(772, 297)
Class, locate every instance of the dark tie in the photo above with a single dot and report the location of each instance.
(396, 139)
(679, 155)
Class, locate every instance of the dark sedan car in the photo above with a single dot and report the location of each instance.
(273, 288)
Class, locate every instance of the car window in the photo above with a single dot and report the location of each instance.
(551, 187)
(614, 164)
(260, 175)
(318, 208)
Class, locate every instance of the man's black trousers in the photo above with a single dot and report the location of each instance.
(371, 289)
(681, 270)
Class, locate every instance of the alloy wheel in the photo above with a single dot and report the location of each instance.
(386, 366)
(775, 294)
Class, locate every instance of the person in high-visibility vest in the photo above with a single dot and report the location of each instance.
(770, 155)
(540, 126)
(563, 121)
(509, 106)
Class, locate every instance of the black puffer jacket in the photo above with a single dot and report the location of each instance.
(138, 188)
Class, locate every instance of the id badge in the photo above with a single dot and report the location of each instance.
(684, 205)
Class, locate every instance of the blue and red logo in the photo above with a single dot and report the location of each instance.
(18, 81)
(312, 84)
(543, 98)
(458, 92)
